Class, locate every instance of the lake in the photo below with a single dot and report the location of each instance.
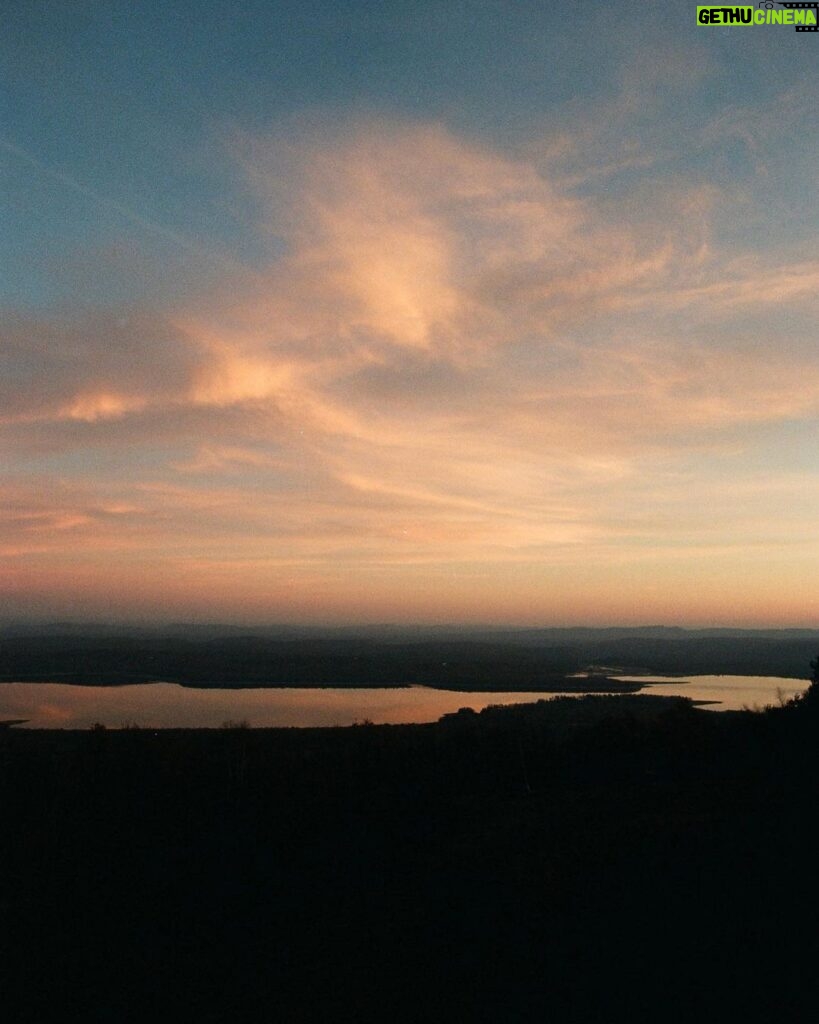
(733, 692)
(167, 705)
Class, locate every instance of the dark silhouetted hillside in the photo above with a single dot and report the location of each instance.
(638, 859)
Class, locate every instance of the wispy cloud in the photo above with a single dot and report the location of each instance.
(457, 362)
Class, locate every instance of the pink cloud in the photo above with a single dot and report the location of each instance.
(456, 362)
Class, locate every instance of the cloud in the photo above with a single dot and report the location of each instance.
(91, 366)
(455, 361)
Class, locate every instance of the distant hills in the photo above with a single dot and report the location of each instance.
(457, 659)
(395, 631)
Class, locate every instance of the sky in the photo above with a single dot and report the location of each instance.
(437, 312)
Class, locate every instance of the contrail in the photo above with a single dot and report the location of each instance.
(148, 225)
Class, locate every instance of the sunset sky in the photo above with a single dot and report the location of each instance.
(480, 312)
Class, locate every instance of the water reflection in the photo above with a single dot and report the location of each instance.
(733, 692)
(167, 705)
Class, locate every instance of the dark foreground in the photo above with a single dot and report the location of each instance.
(493, 867)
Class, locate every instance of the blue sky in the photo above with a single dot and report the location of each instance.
(378, 310)
(134, 102)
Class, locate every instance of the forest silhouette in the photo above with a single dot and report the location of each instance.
(489, 866)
